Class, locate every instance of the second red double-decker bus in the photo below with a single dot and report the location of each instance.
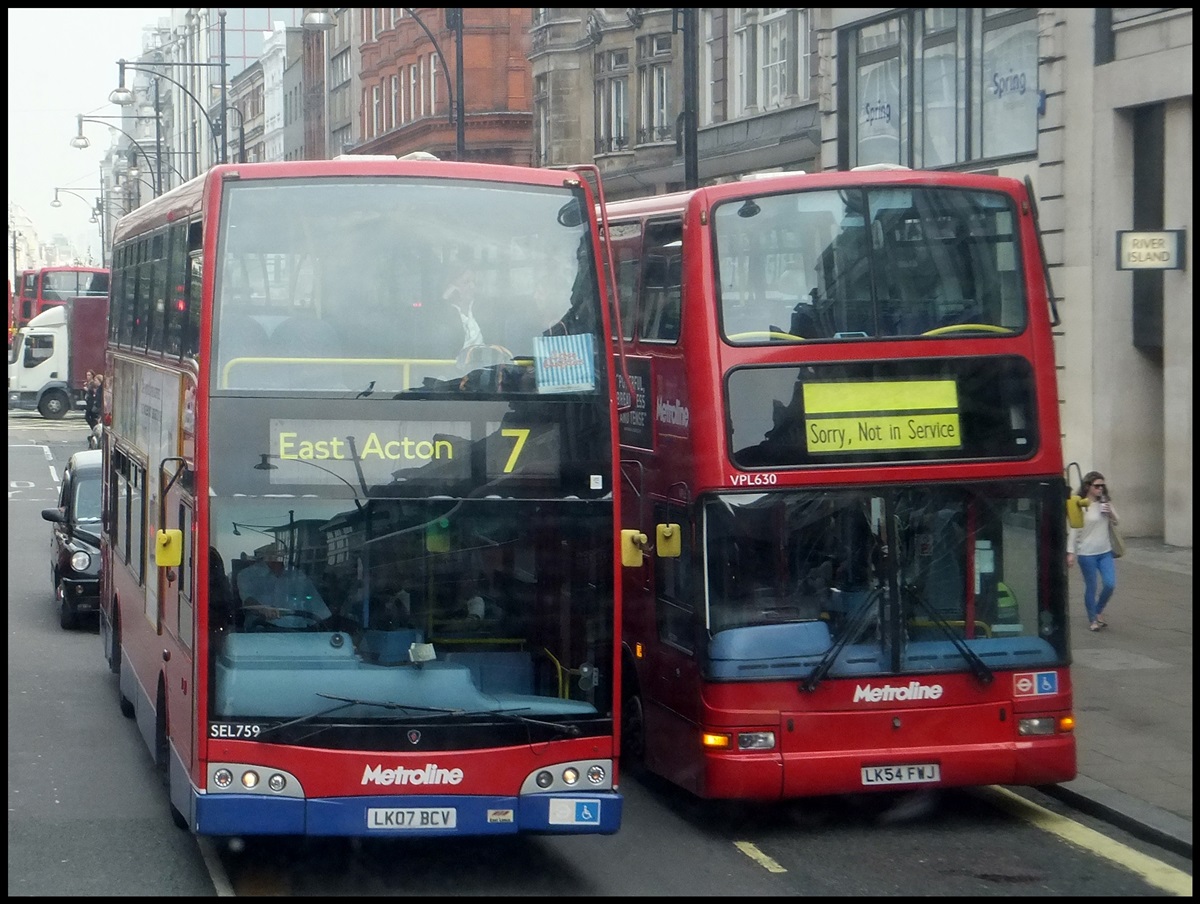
(359, 538)
(46, 287)
(846, 483)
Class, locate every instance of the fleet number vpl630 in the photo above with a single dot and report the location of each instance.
(754, 480)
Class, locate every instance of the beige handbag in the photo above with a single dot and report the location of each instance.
(1118, 545)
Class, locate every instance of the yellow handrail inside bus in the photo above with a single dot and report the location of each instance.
(962, 327)
(406, 364)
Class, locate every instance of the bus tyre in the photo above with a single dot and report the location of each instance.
(53, 405)
(633, 733)
(162, 750)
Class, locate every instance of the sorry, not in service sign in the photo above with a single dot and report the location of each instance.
(871, 417)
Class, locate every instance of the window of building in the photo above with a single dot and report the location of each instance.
(654, 76)
(397, 112)
(709, 53)
(412, 91)
(612, 101)
(376, 110)
(541, 118)
(941, 86)
(433, 74)
(770, 59)
(421, 87)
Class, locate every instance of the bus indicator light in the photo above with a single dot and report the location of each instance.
(711, 739)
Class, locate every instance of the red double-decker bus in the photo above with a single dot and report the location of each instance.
(845, 480)
(360, 576)
(46, 287)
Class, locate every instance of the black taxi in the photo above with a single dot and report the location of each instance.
(75, 539)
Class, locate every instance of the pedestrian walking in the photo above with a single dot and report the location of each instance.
(90, 407)
(93, 409)
(1092, 546)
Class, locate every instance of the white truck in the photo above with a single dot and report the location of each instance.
(51, 355)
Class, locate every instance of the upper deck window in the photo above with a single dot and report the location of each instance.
(882, 262)
(358, 285)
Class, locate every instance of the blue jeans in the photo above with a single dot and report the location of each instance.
(1102, 567)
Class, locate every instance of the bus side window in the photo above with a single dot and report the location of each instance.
(661, 295)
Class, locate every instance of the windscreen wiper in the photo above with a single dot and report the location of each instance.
(511, 714)
(979, 668)
(515, 716)
(343, 703)
(852, 629)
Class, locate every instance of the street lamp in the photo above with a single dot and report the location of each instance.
(57, 203)
(81, 141)
(241, 154)
(122, 96)
(454, 21)
(323, 21)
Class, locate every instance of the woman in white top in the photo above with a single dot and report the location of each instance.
(1091, 545)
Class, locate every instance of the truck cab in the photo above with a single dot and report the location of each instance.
(52, 353)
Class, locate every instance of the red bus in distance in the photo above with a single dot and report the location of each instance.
(45, 287)
(360, 575)
(844, 505)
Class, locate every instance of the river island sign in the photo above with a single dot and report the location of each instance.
(1150, 250)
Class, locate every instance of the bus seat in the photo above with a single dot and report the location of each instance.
(306, 337)
(241, 336)
(309, 338)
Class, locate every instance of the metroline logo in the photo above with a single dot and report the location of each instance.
(914, 690)
(429, 774)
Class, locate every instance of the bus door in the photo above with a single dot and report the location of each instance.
(171, 582)
(672, 698)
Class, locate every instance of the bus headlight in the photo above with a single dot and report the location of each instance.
(570, 775)
(1042, 726)
(249, 779)
(277, 782)
(222, 778)
(756, 740)
(595, 774)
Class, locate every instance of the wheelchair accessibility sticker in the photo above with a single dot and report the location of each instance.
(1035, 684)
(574, 812)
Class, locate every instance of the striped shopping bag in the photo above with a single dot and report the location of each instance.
(564, 363)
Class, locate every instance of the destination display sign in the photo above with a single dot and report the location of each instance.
(894, 411)
(882, 416)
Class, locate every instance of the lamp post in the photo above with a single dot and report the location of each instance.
(224, 88)
(16, 278)
(81, 141)
(323, 21)
(454, 21)
(123, 97)
(241, 154)
(57, 203)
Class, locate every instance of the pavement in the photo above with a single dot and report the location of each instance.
(1133, 698)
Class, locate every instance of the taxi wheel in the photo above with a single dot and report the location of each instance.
(67, 617)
